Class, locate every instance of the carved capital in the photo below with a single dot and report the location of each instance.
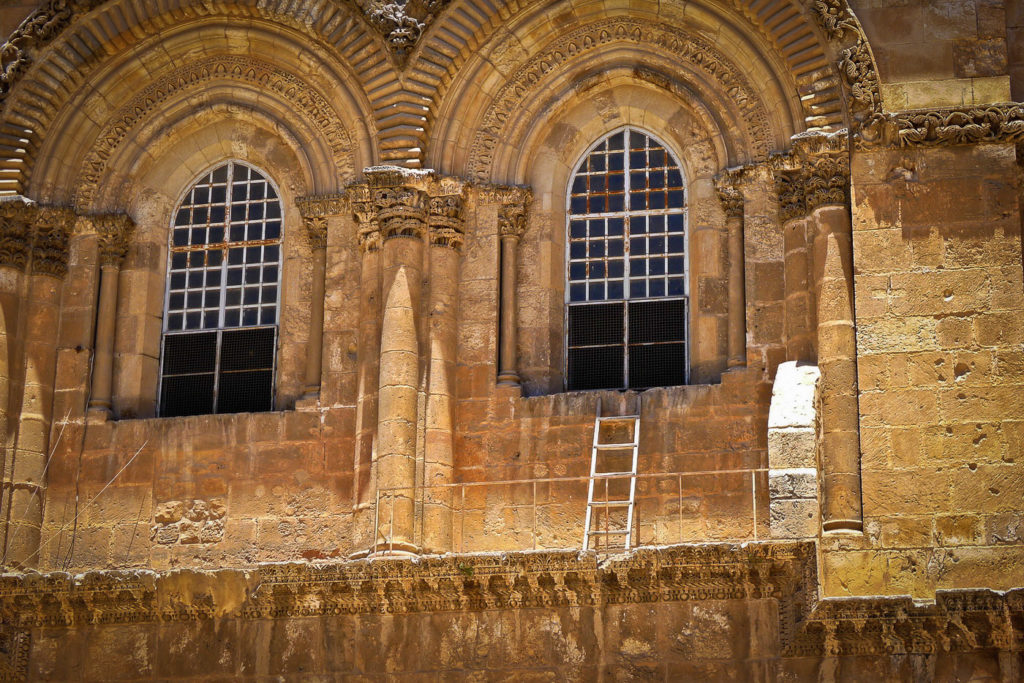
(315, 211)
(400, 200)
(16, 217)
(513, 210)
(360, 201)
(789, 187)
(826, 164)
(445, 218)
(727, 186)
(115, 232)
(52, 227)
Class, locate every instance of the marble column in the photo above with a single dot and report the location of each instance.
(16, 215)
(400, 200)
(115, 233)
(827, 168)
(51, 230)
(446, 234)
(367, 363)
(731, 197)
(315, 212)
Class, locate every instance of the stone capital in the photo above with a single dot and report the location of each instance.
(513, 211)
(360, 201)
(825, 162)
(17, 214)
(315, 210)
(52, 228)
(730, 194)
(445, 217)
(115, 232)
(400, 200)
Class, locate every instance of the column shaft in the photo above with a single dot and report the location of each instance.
(314, 354)
(737, 293)
(106, 317)
(507, 372)
(800, 325)
(837, 359)
(398, 395)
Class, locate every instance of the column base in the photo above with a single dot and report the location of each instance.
(509, 379)
(97, 414)
(395, 549)
(843, 525)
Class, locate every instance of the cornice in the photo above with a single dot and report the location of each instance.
(944, 127)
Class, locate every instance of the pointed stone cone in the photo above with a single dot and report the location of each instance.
(397, 417)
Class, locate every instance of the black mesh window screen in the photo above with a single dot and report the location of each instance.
(221, 310)
(626, 280)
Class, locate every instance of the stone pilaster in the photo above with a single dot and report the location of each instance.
(512, 222)
(114, 232)
(316, 211)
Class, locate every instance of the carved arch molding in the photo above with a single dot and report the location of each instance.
(305, 99)
(408, 33)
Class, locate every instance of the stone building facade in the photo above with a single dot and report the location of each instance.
(309, 308)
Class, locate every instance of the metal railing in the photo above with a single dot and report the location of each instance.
(548, 513)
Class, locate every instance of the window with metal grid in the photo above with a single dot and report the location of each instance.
(221, 309)
(626, 279)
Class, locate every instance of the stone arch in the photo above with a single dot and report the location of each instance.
(90, 42)
(801, 45)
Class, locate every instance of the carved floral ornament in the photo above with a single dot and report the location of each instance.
(513, 209)
(30, 232)
(115, 232)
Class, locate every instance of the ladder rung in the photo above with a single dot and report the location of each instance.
(618, 418)
(611, 503)
(610, 532)
(614, 474)
(620, 446)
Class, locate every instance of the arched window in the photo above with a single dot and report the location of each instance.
(626, 286)
(223, 283)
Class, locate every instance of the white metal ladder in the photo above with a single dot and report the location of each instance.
(604, 476)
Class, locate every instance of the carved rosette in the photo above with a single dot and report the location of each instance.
(400, 201)
(16, 218)
(53, 226)
(315, 210)
(445, 218)
(364, 212)
(115, 232)
(513, 211)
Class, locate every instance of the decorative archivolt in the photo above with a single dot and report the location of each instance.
(697, 53)
(267, 77)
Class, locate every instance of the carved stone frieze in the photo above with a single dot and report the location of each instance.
(52, 228)
(691, 51)
(302, 97)
(857, 68)
(16, 217)
(115, 232)
(397, 586)
(960, 126)
(315, 210)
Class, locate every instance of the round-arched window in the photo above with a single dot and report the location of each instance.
(626, 277)
(223, 292)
